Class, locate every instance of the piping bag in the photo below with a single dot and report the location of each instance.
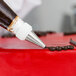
(11, 22)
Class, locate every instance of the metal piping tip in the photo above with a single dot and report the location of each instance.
(32, 37)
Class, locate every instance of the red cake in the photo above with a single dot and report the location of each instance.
(22, 58)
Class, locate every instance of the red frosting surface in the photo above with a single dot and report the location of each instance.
(21, 58)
